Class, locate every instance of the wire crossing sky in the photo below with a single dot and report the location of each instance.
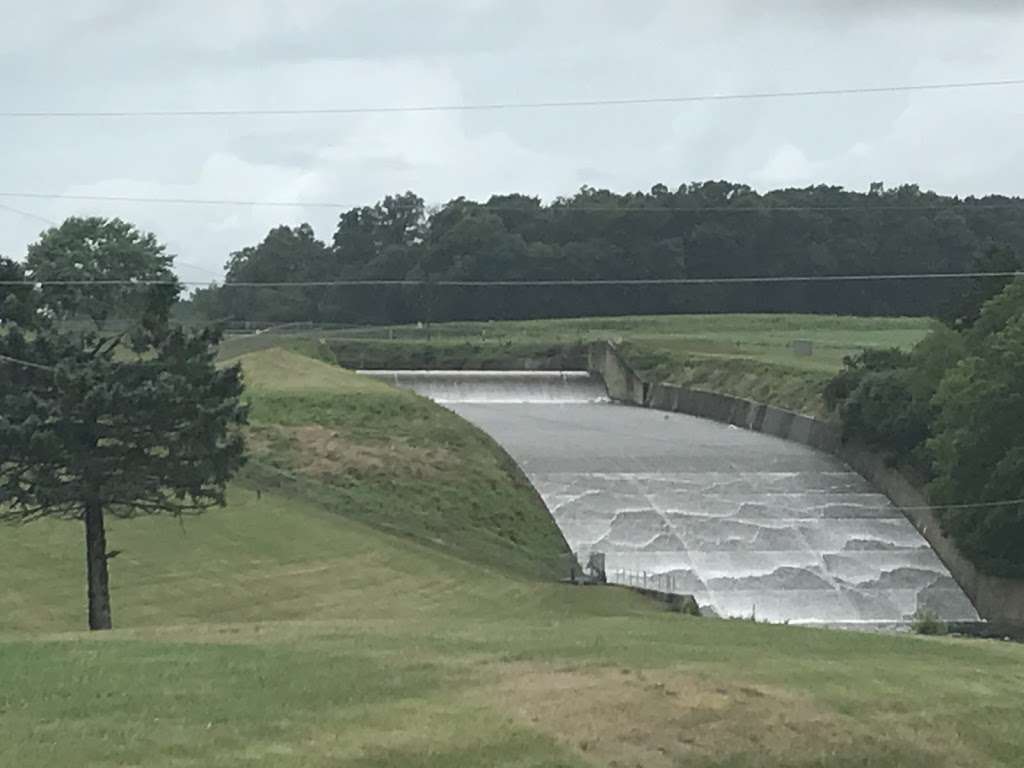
(257, 114)
(515, 105)
(753, 280)
(576, 208)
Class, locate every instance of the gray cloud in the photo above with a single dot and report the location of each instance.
(113, 54)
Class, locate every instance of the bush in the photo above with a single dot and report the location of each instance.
(883, 412)
(683, 604)
(856, 368)
(885, 397)
(927, 622)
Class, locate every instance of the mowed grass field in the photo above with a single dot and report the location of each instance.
(749, 356)
(767, 338)
(294, 628)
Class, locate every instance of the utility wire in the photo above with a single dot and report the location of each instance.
(26, 363)
(976, 505)
(191, 265)
(484, 207)
(28, 215)
(519, 105)
(531, 283)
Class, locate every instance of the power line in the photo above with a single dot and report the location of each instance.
(768, 279)
(968, 506)
(521, 105)
(28, 215)
(980, 505)
(191, 265)
(556, 207)
(26, 363)
(976, 505)
(172, 200)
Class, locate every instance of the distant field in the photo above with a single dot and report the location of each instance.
(746, 355)
(317, 624)
(756, 336)
(766, 338)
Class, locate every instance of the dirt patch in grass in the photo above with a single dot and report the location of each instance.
(324, 453)
(666, 718)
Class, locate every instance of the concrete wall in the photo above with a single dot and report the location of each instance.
(621, 381)
(996, 599)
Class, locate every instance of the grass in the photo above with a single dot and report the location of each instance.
(356, 648)
(749, 356)
(791, 387)
(394, 460)
(456, 354)
(287, 630)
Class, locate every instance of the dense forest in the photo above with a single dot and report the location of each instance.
(700, 230)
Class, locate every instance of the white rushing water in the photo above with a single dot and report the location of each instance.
(746, 523)
(450, 387)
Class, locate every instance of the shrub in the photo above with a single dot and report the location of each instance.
(927, 622)
(883, 412)
(856, 367)
(683, 604)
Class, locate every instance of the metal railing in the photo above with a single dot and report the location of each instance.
(658, 582)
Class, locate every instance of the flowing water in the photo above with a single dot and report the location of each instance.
(499, 387)
(747, 523)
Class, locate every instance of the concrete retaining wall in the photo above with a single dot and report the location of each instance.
(996, 599)
(621, 381)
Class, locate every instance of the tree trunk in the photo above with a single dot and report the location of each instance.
(96, 565)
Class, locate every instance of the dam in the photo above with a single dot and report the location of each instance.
(747, 523)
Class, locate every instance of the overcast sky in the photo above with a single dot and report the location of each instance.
(199, 54)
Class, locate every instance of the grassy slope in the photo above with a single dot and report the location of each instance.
(396, 461)
(746, 355)
(279, 632)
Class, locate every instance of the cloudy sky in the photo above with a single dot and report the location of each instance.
(66, 55)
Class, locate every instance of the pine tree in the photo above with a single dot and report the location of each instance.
(94, 422)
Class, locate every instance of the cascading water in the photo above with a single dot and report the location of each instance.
(745, 522)
(450, 387)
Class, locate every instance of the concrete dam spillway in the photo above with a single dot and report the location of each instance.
(747, 523)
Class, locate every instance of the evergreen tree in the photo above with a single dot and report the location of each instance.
(97, 422)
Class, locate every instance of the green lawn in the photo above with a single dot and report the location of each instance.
(295, 628)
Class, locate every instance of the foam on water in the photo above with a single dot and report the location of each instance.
(746, 523)
(498, 386)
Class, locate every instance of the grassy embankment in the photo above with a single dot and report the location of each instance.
(745, 355)
(285, 631)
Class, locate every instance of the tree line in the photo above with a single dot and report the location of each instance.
(714, 229)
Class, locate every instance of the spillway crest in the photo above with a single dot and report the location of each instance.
(494, 387)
